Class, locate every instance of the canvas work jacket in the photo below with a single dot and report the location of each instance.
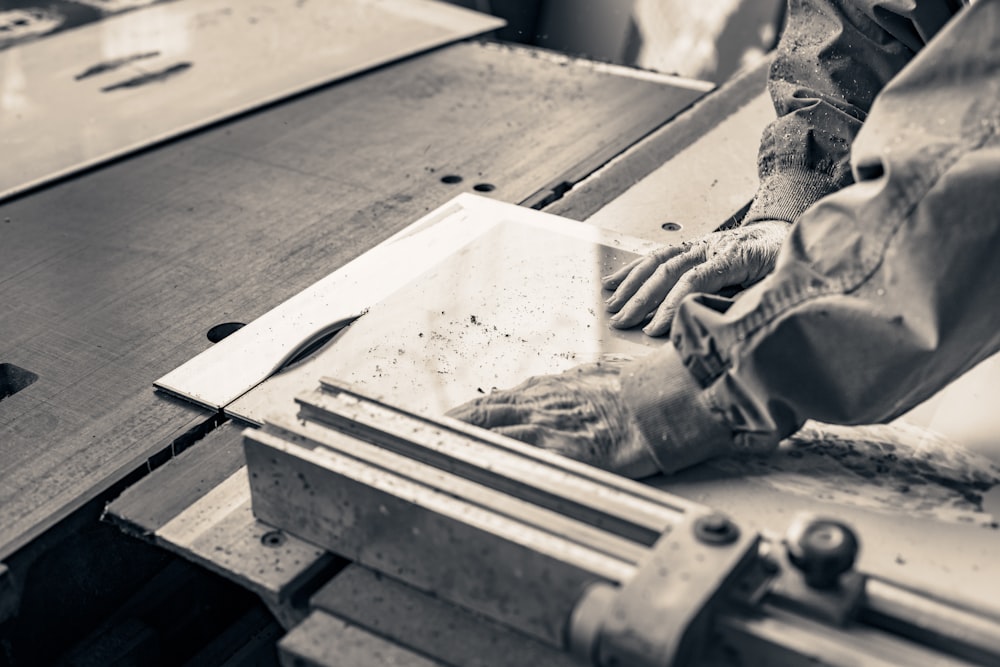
(886, 156)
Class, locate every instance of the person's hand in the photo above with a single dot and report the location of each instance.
(578, 413)
(656, 284)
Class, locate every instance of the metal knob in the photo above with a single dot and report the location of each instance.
(822, 549)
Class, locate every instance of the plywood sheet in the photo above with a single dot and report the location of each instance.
(223, 373)
(108, 88)
(514, 297)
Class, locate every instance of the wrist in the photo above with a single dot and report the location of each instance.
(679, 428)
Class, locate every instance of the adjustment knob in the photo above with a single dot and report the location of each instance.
(822, 549)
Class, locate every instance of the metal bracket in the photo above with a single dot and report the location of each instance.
(660, 617)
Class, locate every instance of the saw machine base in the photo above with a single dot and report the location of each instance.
(585, 561)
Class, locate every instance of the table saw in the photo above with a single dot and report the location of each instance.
(112, 278)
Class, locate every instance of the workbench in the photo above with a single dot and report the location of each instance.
(114, 277)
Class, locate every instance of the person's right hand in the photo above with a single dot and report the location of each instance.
(656, 284)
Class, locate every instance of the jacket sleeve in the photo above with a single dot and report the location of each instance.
(885, 291)
(833, 58)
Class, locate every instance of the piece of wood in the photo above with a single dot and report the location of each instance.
(429, 625)
(111, 279)
(491, 300)
(322, 640)
(107, 89)
(150, 503)
(337, 299)
(220, 531)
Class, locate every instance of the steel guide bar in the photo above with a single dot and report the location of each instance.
(587, 561)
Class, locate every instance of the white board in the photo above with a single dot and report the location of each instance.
(221, 374)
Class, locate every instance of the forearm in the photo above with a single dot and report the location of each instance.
(833, 59)
(885, 291)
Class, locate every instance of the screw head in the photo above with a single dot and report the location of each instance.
(716, 529)
(822, 549)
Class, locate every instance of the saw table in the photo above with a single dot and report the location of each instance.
(201, 505)
(223, 226)
(111, 278)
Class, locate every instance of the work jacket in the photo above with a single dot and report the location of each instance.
(886, 156)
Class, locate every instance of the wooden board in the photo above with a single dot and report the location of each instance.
(103, 90)
(111, 279)
(468, 283)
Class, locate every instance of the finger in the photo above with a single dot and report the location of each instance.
(612, 280)
(708, 278)
(488, 415)
(648, 297)
(639, 274)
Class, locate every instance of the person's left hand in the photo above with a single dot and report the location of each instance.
(578, 413)
(654, 286)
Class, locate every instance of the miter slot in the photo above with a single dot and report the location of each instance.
(527, 577)
(528, 475)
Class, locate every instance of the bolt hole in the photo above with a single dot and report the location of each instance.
(13, 379)
(484, 187)
(451, 179)
(670, 227)
(220, 331)
(273, 538)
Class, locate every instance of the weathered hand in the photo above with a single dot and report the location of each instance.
(578, 413)
(656, 284)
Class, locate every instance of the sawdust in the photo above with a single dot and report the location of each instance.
(895, 468)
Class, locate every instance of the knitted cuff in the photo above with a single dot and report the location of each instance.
(786, 194)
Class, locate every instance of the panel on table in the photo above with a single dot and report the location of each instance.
(483, 235)
(506, 293)
(108, 88)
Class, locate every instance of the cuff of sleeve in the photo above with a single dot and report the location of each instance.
(673, 415)
(786, 194)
